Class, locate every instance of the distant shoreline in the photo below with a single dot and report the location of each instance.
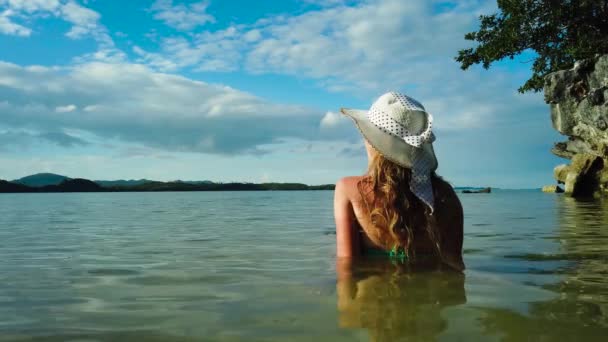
(85, 185)
(53, 183)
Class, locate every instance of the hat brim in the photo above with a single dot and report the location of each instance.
(391, 147)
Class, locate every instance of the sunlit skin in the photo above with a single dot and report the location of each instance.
(351, 216)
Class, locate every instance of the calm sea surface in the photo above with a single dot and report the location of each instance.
(190, 266)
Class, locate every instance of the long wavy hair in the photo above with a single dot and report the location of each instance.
(397, 215)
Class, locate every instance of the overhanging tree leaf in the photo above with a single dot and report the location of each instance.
(560, 32)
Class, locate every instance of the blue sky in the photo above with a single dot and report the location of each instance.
(249, 91)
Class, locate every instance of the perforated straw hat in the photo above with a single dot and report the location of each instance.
(400, 129)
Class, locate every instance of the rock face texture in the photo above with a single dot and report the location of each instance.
(555, 189)
(579, 109)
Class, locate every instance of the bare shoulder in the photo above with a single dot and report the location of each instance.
(347, 186)
(347, 242)
(349, 181)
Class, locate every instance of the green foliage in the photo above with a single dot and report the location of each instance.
(560, 32)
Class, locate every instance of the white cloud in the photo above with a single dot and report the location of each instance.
(331, 119)
(207, 51)
(84, 20)
(180, 16)
(131, 103)
(22, 138)
(387, 45)
(327, 3)
(105, 53)
(65, 109)
(30, 6)
(362, 49)
(252, 36)
(85, 24)
(91, 108)
(10, 28)
(154, 60)
(365, 48)
(373, 45)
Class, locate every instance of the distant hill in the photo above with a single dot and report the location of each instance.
(45, 182)
(210, 186)
(14, 187)
(133, 182)
(67, 185)
(40, 179)
(44, 179)
(85, 185)
(122, 182)
(73, 185)
(196, 182)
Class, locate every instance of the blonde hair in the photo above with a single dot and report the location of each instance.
(396, 213)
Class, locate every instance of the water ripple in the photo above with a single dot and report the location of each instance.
(261, 266)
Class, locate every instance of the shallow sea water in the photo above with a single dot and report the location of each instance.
(229, 266)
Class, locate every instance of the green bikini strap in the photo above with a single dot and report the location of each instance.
(398, 253)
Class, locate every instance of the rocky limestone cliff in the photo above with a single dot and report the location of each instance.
(579, 109)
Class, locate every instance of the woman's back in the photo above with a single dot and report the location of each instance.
(368, 237)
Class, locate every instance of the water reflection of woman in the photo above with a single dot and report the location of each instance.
(394, 301)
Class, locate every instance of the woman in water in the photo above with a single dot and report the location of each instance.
(399, 207)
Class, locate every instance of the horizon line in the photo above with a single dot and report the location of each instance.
(246, 182)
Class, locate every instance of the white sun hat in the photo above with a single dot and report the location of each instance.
(400, 129)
